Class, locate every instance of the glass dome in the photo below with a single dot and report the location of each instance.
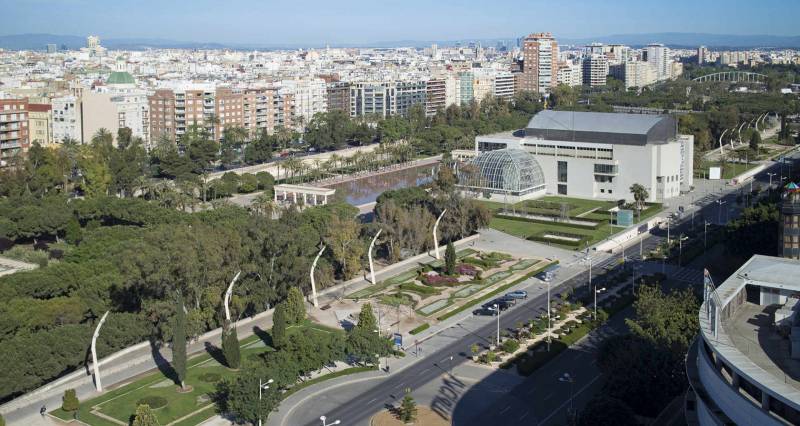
(504, 171)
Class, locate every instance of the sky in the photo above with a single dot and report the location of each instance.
(364, 21)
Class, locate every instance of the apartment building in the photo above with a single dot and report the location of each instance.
(66, 118)
(638, 74)
(503, 87)
(465, 85)
(338, 96)
(435, 96)
(309, 97)
(540, 66)
(570, 74)
(659, 56)
(595, 70)
(40, 124)
(229, 110)
(386, 98)
(14, 138)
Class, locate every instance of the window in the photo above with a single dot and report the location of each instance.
(562, 189)
(562, 171)
(605, 168)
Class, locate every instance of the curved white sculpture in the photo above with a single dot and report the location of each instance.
(435, 239)
(721, 152)
(371, 267)
(95, 366)
(228, 294)
(313, 284)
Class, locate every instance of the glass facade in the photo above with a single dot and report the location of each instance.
(505, 171)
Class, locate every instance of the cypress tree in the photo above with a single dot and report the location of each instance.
(279, 324)
(69, 402)
(230, 345)
(296, 307)
(179, 342)
(450, 259)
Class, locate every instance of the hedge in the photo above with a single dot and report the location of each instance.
(420, 329)
(540, 237)
(596, 223)
(497, 291)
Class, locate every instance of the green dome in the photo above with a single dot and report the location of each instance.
(118, 77)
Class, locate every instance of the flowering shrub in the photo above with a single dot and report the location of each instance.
(438, 280)
(466, 269)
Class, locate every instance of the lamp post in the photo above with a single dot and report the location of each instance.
(435, 237)
(568, 379)
(548, 313)
(262, 386)
(497, 309)
(705, 235)
(596, 291)
(770, 179)
(97, 384)
(323, 418)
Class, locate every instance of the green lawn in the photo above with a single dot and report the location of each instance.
(203, 373)
(731, 170)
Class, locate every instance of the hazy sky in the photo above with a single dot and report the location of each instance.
(359, 21)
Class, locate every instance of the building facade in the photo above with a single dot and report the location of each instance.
(338, 96)
(789, 238)
(66, 118)
(503, 87)
(595, 70)
(40, 124)
(741, 366)
(540, 66)
(600, 155)
(14, 137)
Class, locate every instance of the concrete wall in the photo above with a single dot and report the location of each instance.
(737, 407)
(97, 111)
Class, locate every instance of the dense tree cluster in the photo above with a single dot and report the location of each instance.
(644, 370)
(755, 231)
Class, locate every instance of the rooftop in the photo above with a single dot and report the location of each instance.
(602, 127)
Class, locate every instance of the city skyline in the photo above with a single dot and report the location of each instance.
(249, 22)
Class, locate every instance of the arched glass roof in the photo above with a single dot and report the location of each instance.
(511, 171)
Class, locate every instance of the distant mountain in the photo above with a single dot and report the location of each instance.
(692, 40)
(689, 40)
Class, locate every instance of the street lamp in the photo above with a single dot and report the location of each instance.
(262, 386)
(720, 202)
(596, 291)
(323, 418)
(770, 180)
(497, 309)
(548, 313)
(705, 235)
(568, 379)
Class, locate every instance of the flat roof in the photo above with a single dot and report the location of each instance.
(603, 127)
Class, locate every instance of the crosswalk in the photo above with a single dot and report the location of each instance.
(677, 273)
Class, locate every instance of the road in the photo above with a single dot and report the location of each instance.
(371, 399)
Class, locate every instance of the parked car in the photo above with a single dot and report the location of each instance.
(503, 305)
(508, 299)
(518, 294)
(484, 311)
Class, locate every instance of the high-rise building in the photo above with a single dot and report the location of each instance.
(702, 55)
(503, 85)
(659, 56)
(540, 66)
(638, 74)
(570, 74)
(595, 70)
(465, 83)
(309, 97)
(790, 223)
(435, 96)
(386, 98)
(13, 129)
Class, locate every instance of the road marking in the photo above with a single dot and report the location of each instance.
(505, 409)
(425, 370)
(558, 409)
(371, 400)
(550, 395)
(524, 415)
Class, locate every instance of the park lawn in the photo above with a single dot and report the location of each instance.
(121, 403)
(524, 229)
(731, 170)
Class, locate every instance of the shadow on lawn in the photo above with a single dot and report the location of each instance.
(215, 353)
(164, 366)
(263, 335)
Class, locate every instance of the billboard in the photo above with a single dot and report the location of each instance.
(625, 217)
(715, 173)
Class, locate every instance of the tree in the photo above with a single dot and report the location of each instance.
(248, 183)
(668, 320)
(640, 195)
(69, 402)
(755, 140)
(2, 420)
(179, 342)
(241, 395)
(408, 409)
(603, 410)
(450, 259)
(144, 416)
(342, 236)
(230, 345)
(73, 232)
(366, 319)
(446, 180)
(295, 306)
(279, 325)
(364, 340)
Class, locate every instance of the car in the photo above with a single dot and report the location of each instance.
(518, 294)
(484, 311)
(502, 304)
(508, 299)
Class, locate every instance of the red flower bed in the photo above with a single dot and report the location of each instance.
(466, 269)
(439, 280)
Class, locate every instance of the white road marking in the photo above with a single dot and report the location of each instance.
(524, 415)
(550, 395)
(371, 400)
(505, 409)
(560, 407)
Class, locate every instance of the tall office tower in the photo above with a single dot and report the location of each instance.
(595, 70)
(658, 55)
(702, 54)
(790, 223)
(540, 67)
(13, 129)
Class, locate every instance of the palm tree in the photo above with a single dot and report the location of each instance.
(640, 194)
(263, 205)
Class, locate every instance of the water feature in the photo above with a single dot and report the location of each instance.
(367, 189)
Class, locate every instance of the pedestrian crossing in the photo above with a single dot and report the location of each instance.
(677, 273)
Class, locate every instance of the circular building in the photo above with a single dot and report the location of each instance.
(504, 174)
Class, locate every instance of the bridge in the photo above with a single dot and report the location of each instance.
(734, 76)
